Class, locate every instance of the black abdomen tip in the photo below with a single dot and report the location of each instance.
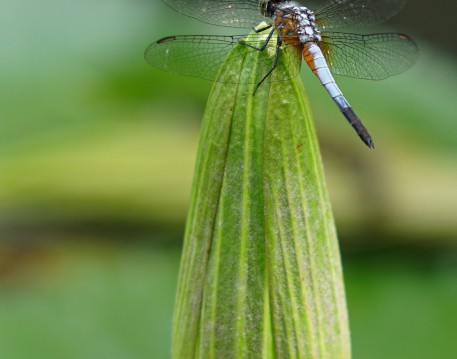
(358, 126)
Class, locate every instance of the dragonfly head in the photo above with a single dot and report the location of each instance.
(267, 7)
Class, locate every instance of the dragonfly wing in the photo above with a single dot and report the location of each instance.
(371, 57)
(203, 55)
(199, 56)
(232, 13)
(352, 13)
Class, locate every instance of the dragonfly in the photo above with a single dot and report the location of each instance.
(299, 29)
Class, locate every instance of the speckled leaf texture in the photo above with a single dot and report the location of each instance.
(260, 272)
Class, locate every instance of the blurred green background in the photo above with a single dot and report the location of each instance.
(96, 161)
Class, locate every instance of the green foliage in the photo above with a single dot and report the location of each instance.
(92, 140)
(260, 273)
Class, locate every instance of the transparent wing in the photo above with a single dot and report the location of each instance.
(232, 13)
(202, 56)
(372, 57)
(352, 13)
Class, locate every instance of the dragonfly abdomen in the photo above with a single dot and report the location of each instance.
(316, 61)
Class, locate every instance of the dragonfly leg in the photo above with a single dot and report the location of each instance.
(262, 28)
(264, 45)
(275, 63)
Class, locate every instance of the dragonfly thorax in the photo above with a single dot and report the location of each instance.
(296, 24)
